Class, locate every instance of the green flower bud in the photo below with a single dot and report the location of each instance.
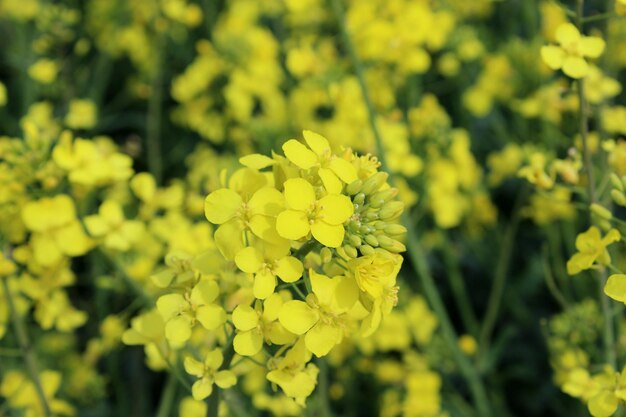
(355, 240)
(350, 251)
(390, 244)
(601, 212)
(391, 210)
(371, 215)
(617, 183)
(371, 240)
(395, 229)
(374, 182)
(367, 250)
(359, 199)
(386, 195)
(326, 255)
(354, 187)
(618, 197)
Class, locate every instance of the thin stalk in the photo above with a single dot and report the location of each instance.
(499, 280)
(167, 397)
(155, 111)
(415, 252)
(213, 402)
(459, 289)
(609, 330)
(322, 388)
(30, 358)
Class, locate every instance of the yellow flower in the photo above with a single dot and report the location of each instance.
(266, 263)
(591, 248)
(111, 225)
(333, 170)
(323, 318)
(44, 71)
(3, 95)
(55, 229)
(81, 115)
(616, 287)
(254, 325)
(145, 329)
(208, 373)
(324, 218)
(572, 50)
(181, 311)
(292, 374)
(20, 392)
(236, 213)
(373, 273)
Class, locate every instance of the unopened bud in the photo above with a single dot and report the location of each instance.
(395, 229)
(359, 199)
(601, 212)
(391, 210)
(354, 240)
(371, 240)
(374, 182)
(350, 251)
(354, 187)
(618, 197)
(367, 250)
(617, 183)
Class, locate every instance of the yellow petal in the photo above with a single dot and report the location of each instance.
(178, 330)
(225, 379)
(72, 239)
(322, 338)
(553, 56)
(567, 33)
(256, 161)
(205, 292)
(616, 287)
(592, 46)
(344, 170)
(603, 404)
(214, 359)
(45, 250)
(221, 205)
(265, 228)
(346, 294)
(211, 316)
(249, 260)
(245, 317)
(332, 184)
(272, 306)
(193, 367)
(267, 201)
(96, 225)
(264, 285)
(575, 67)
(323, 287)
(228, 239)
(299, 194)
(169, 305)
(112, 212)
(328, 235)
(318, 143)
(336, 209)
(248, 343)
(201, 389)
(297, 316)
(299, 154)
(144, 186)
(289, 269)
(292, 224)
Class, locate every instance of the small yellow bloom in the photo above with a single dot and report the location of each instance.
(44, 71)
(591, 249)
(208, 373)
(81, 115)
(572, 50)
(324, 218)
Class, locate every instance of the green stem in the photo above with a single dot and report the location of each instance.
(30, 358)
(415, 252)
(609, 331)
(499, 280)
(167, 397)
(322, 389)
(213, 402)
(155, 110)
(459, 289)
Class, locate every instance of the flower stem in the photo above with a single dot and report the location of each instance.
(609, 331)
(213, 402)
(30, 358)
(167, 397)
(415, 251)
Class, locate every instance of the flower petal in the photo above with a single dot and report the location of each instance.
(264, 285)
(289, 269)
(616, 287)
(225, 379)
(292, 224)
(299, 194)
(322, 338)
(592, 46)
(318, 143)
(336, 209)
(268, 201)
(249, 260)
(328, 235)
(211, 316)
(248, 343)
(297, 316)
(299, 154)
(245, 317)
(344, 170)
(221, 205)
(567, 33)
(553, 56)
(575, 67)
(332, 184)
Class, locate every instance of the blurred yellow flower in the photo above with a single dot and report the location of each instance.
(572, 50)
